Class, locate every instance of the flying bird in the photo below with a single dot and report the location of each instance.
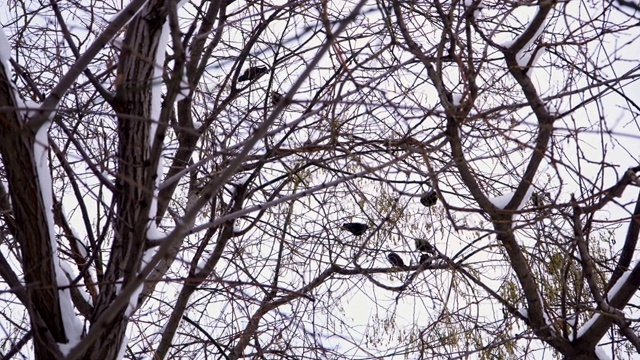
(424, 246)
(252, 73)
(355, 228)
(429, 199)
(396, 260)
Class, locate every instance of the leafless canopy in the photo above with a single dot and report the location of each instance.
(175, 177)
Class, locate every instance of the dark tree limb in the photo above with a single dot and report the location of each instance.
(629, 246)
(17, 149)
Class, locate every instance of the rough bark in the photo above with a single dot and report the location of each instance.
(135, 179)
(16, 147)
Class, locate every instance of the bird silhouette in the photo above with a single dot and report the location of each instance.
(275, 97)
(355, 228)
(424, 246)
(396, 260)
(425, 258)
(252, 73)
(429, 198)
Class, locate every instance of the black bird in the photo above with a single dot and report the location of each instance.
(396, 260)
(355, 228)
(425, 258)
(429, 199)
(252, 73)
(424, 246)
(538, 198)
(275, 97)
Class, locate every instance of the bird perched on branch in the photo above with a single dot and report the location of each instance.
(252, 73)
(355, 228)
(396, 260)
(425, 258)
(423, 245)
(429, 198)
(275, 97)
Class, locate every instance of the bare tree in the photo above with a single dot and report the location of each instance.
(176, 178)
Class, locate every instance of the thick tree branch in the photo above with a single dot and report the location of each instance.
(619, 300)
(629, 247)
(36, 245)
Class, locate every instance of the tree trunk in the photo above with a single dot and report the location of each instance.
(16, 147)
(135, 179)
